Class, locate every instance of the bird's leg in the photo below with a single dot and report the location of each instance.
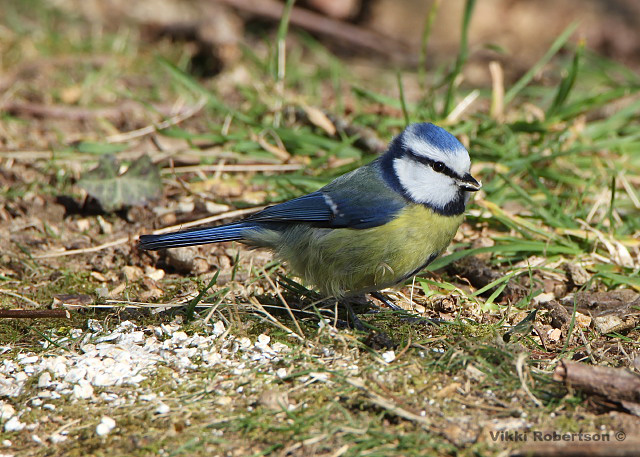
(355, 320)
(384, 299)
(409, 318)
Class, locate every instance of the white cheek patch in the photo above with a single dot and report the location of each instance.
(423, 185)
(456, 159)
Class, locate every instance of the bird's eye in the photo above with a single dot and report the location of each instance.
(438, 166)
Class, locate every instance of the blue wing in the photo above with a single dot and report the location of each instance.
(359, 200)
(308, 208)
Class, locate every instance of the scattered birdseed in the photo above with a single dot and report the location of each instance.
(14, 425)
(388, 356)
(162, 408)
(125, 356)
(105, 426)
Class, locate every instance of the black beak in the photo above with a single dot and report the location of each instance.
(469, 183)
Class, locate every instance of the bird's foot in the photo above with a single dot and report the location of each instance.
(387, 302)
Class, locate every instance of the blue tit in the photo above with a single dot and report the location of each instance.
(367, 230)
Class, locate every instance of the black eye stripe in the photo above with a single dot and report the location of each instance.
(445, 170)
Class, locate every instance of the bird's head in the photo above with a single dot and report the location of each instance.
(430, 166)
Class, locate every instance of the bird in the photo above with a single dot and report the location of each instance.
(367, 230)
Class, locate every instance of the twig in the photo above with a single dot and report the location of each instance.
(272, 319)
(239, 168)
(35, 314)
(284, 302)
(113, 113)
(100, 247)
(123, 240)
(65, 427)
(74, 113)
(404, 350)
(466, 102)
(386, 404)
(214, 308)
(341, 31)
(497, 91)
(615, 384)
(21, 297)
(176, 119)
(34, 68)
(520, 369)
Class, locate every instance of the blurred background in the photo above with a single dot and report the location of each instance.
(514, 31)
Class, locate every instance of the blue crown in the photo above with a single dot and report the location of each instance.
(435, 135)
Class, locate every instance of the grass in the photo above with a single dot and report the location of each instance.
(559, 166)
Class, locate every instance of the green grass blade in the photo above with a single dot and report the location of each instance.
(528, 76)
(566, 84)
(463, 54)
(403, 101)
(426, 34)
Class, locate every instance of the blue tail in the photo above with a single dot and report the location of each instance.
(228, 232)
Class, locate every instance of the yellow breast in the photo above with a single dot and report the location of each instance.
(350, 261)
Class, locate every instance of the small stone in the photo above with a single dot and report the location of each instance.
(83, 224)
(215, 208)
(274, 399)
(223, 401)
(102, 292)
(218, 328)
(263, 340)
(389, 356)
(543, 298)
(319, 376)
(474, 373)
(583, 320)
(154, 273)
(6, 411)
(94, 325)
(7, 443)
(83, 389)
(57, 438)
(279, 347)
(105, 426)
(27, 359)
(105, 227)
(75, 374)
(131, 273)
(554, 334)
(182, 259)
(612, 323)
(14, 425)
(179, 338)
(577, 274)
(162, 408)
(98, 276)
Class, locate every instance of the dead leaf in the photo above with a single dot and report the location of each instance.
(319, 119)
(139, 184)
